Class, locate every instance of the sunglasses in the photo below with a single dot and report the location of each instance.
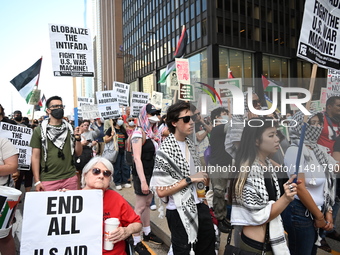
(187, 118)
(97, 171)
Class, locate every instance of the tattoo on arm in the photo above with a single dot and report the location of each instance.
(135, 139)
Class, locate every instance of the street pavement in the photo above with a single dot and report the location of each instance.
(159, 227)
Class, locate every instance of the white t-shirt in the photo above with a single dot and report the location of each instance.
(314, 173)
(186, 154)
(7, 150)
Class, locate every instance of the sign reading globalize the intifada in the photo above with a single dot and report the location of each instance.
(71, 49)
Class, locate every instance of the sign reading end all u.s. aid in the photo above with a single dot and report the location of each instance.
(61, 223)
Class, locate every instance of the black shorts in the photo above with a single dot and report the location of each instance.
(137, 185)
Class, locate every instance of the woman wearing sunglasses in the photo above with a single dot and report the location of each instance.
(145, 141)
(97, 174)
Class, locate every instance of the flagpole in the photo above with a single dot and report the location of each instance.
(37, 84)
(304, 126)
(75, 102)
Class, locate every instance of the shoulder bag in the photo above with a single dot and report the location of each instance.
(111, 149)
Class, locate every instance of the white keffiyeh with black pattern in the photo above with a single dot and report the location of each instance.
(169, 169)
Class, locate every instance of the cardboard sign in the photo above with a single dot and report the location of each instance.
(20, 137)
(90, 112)
(138, 100)
(319, 34)
(63, 223)
(156, 99)
(183, 70)
(122, 91)
(186, 92)
(333, 83)
(84, 101)
(71, 49)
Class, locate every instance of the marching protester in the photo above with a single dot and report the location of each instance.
(8, 166)
(121, 174)
(257, 202)
(312, 208)
(329, 133)
(145, 142)
(97, 174)
(175, 178)
(53, 145)
(219, 158)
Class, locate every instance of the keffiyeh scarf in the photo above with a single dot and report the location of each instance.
(170, 168)
(311, 137)
(57, 135)
(253, 207)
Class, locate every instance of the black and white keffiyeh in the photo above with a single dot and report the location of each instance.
(57, 135)
(253, 207)
(312, 135)
(169, 169)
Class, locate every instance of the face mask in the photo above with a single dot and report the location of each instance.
(153, 119)
(120, 122)
(289, 117)
(225, 117)
(131, 123)
(18, 118)
(57, 113)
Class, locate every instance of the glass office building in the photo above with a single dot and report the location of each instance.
(250, 37)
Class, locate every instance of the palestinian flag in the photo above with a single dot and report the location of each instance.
(230, 74)
(269, 85)
(25, 81)
(180, 51)
(42, 102)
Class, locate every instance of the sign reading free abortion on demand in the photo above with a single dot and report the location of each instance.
(319, 35)
(62, 223)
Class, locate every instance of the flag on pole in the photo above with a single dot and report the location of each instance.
(230, 74)
(42, 103)
(27, 80)
(179, 52)
(269, 85)
(270, 103)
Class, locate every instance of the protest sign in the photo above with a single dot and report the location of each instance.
(225, 94)
(186, 92)
(71, 49)
(319, 34)
(84, 101)
(138, 100)
(333, 83)
(63, 223)
(20, 137)
(183, 70)
(156, 99)
(90, 112)
(122, 92)
(108, 105)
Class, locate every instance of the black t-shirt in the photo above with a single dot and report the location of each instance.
(218, 154)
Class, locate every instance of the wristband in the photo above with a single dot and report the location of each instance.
(35, 184)
(77, 138)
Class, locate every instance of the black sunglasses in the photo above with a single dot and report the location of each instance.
(97, 171)
(186, 119)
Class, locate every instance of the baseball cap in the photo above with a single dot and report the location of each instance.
(150, 109)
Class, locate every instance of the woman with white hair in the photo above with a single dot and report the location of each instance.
(97, 174)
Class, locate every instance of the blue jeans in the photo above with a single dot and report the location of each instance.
(302, 234)
(121, 171)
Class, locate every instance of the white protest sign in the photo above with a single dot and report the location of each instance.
(165, 105)
(108, 105)
(20, 137)
(183, 70)
(333, 83)
(90, 112)
(84, 101)
(319, 34)
(71, 49)
(122, 91)
(62, 223)
(156, 99)
(138, 100)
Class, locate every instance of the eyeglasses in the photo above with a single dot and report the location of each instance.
(57, 106)
(187, 118)
(97, 171)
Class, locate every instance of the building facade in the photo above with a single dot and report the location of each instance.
(250, 37)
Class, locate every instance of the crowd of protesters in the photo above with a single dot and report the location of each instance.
(176, 157)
